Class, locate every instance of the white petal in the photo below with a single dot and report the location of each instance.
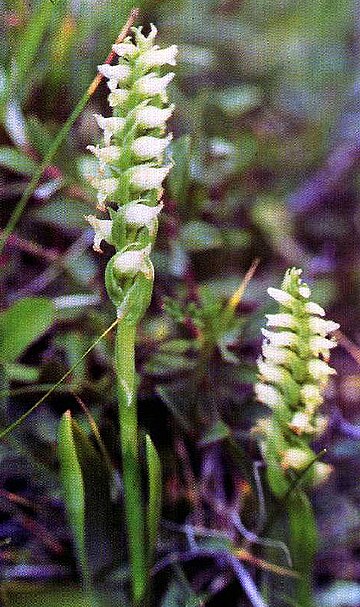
(270, 373)
(115, 74)
(311, 396)
(277, 355)
(151, 117)
(296, 459)
(145, 177)
(304, 291)
(148, 147)
(314, 308)
(125, 49)
(130, 263)
(283, 338)
(118, 97)
(268, 395)
(106, 154)
(301, 423)
(322, 327)
(152, 84)
(321, 345)
(137, 214)
(282, 297)
(320, 370)
(157, 57)
(286, 321)
(111, 126)
(102, 229)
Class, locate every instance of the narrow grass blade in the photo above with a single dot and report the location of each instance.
(73, 488)
(155, 494)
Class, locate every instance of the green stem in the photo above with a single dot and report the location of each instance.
(125, 370)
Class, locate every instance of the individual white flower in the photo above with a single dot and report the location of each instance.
(297, 459)
(145, 177)
(285, 321)
(111, 126)
(102, 229)
(311, 397)
(313, 308)
(268, 395)
(138, 215)
(116, 74)
(304, 291)
(271, 373)
(300, 423)
(156, 57)
(321, 345)
(281, 339)
(150, 117)
(105, 186)
(282, 297)
(148, 147)
(320, 370)
(129, 263)
(278, 355)
(118, 97)
(151, 84)
(106, 154)
(322, 327)
(125, 49)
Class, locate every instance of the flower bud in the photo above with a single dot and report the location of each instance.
(145, 177)
(300, 423)
(148, 147)
(311, 396)
(271, 373)
(282, 297)
(145, 42)
(297, 459)
(129, 263)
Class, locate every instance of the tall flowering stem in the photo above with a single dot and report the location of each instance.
(132, 168)
(293, 372)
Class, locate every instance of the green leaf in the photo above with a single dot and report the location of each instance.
(86, 487)
(237, 100)
(200, 236)
(73, 487)
(21, 373)
(21, 324)
(155, 495)
(29, 43)
(303, 543)
(179, 176)
(216, 433)
(15, 160)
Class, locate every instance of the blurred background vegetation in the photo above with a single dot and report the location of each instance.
(267, 147)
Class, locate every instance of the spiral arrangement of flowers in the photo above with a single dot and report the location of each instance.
(294, 371)
(132, 164)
